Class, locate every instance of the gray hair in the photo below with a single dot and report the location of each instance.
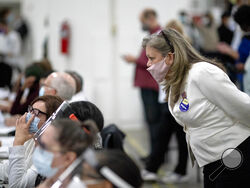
(64, 89)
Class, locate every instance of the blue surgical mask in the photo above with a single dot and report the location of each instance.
(145, 27)
(34, 124)
(42, 160)
(41, 91)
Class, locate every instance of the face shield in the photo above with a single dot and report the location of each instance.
(63, 111)
(71, 174)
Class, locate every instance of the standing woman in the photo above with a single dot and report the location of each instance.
(213, 112)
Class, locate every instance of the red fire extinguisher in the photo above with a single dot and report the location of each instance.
(65, 38)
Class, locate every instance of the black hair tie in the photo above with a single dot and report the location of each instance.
(167, 41)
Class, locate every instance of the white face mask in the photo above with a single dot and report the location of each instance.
(159, 70)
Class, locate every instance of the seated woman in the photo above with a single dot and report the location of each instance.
(60, 144)
(113, 168)
(18, 169)
(32, 76)
(84, 110)
(26, 91)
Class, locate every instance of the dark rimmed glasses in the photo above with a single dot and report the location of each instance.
(36, 111)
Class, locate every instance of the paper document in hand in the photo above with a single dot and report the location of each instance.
(7, 141)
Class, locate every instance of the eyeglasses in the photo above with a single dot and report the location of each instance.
(167, 41)
(35, 111)
(62, 111)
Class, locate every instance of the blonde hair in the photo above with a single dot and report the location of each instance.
(175, 24)
(184, 56)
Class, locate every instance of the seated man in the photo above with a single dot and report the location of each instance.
(79, 95)
(59, 83)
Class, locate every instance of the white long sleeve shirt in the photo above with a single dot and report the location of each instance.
(18, 170)
(218, 117)
(21, 171)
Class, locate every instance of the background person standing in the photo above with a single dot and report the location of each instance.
(148, 86)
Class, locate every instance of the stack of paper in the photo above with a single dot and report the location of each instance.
(7, 141)
(4, 152)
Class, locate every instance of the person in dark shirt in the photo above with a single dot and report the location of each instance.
(148, 86)
(225, 34)
(32, 76)
(242, 18)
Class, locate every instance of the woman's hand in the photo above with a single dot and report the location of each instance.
(22, 130)
(29, 81)
(224, 48)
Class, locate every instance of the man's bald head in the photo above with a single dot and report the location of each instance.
(61, 84)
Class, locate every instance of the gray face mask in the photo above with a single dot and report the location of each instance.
(145, 27)
(34, 124)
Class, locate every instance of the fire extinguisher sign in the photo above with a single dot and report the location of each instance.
(65, 38)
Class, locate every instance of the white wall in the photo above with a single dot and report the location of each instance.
(102, 30)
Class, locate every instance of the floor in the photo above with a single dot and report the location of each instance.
(136, 145)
